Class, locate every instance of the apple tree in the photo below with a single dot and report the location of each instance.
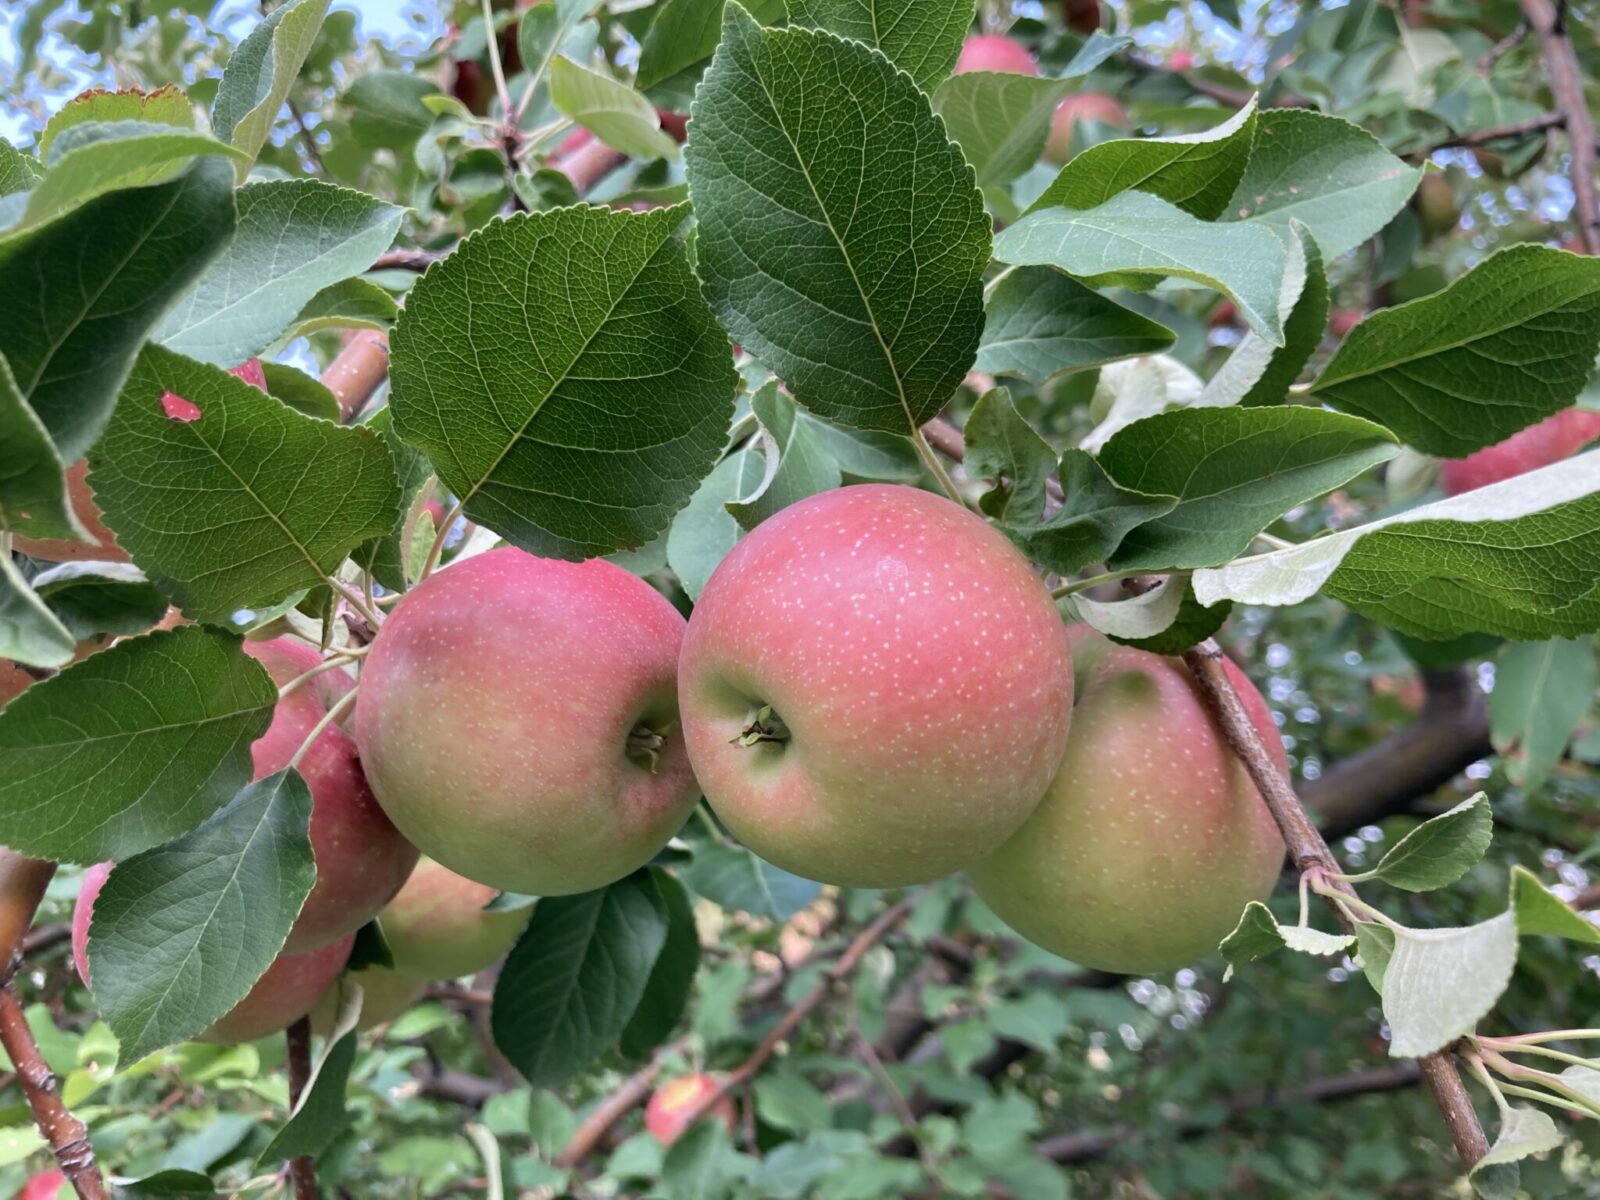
(799, 598)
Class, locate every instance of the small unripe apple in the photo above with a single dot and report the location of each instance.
(1551, 440)
(993, 52)
(665, 1117)
(438, 928)
(385, 995)
(283, 994)
(518, 721)
(1436, 204)
(1152, 837)
(46, 1185)
(875, 687)
(1081, 106)
(361, 858)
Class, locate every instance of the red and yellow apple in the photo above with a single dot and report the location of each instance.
(1550, 441)
(361, 858)
(284, 994)
(994, 52)
(1080, 106)
(518, 721)
(875, 687)
(1152, 837)
(666, 1116)
(438, 927)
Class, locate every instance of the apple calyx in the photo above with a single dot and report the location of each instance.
(762, 725)
(645, 745)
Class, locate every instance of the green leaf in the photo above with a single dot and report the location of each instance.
(666, 994)
(319, 1116)
(999, 119)
(259, 73)
(841, 239)
(1540, 912)
(349, 304)
(1125, 392)
(798, 462)
(1196, 171)
(1135, 234)
(612, 111)
(108, 272)
(1441, 982)
(168, 105)
(33, 486)
(1040, 321)
(1509, 343)
(1321, 170)
(1234, 471)
(165, 1184)
(1516, 559)
(96, 598)
(241, 503)
(787, 1100)
(29, 632)
(1003, 447)
(921, 37)
(703, 533)
(1258, 372)
(1165, 620)
(572, 982)
(295, 238)
(1542, 692)
(18, 171)
(733, 878)
(1523, 1132)
(700, 1165)
(387, 557)
(683, 34)
(579, 412)
(542, 31)
(182, 932)
(1376, 944)
(1034, 1018)
(1258, 933)
(868, 453)
(301, 392)
(1094, 518)
(1441, 850)
(83, 782)
(386, 108)
(97, 157)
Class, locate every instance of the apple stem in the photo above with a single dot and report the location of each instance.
(762, 725)
(644, 746)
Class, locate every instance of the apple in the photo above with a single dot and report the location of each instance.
(46, 1185)
(1436, 204)
(1342, 320)
(361, 858)
(81, 497)
(1152, 837)
(664, 1116)
(992, 52)
(385, 995)
(1180, 60)
(1081, 16)
(875, 687)
(1081, 106)
(284, 994)
(518, 721)
(438, 928)
(1551, 440)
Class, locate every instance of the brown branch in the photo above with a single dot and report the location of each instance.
(1081, 1145)
(1481, 137)
(1310, 853)
(44, 937)
(302, 1168)
(307, 140)
(635, 1090)
(1449, 734)
(1566, 84)
(1503, 47)
(458, 1087)
(68, 1139)
(404, 259)
(358, 371)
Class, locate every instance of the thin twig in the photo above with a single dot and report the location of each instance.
(68, 1139)
(302, 1168)
(1566, 84)
(1481, 137)
(1310, 853)
(406, 259)
(634, 1091)
(307, 140)
(1503, 47)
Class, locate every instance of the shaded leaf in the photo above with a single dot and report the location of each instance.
(736, 879)
(260, 71)
(1040, 321)
(1441, 850)
(921, 37)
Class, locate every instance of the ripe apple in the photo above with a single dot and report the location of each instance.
(46, 1185)
(1081, 106)
(385, 995)
(664, 1116)
(875, 687)
(361, 858)
(518, 721)
(284, 994)
(1152, 838)
(81, 496)
(437, 927)
(992, 52)
(1551, 440)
